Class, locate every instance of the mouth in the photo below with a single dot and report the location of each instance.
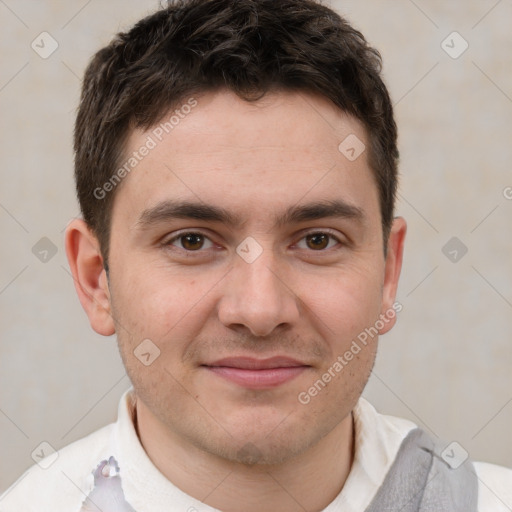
(257, 373)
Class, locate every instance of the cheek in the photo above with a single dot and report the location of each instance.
(158, 300)
(344, 313)
(343, 304)
(170, 310)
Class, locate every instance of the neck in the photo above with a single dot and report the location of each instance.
(309, 481)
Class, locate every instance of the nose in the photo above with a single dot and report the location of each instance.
(258, 297)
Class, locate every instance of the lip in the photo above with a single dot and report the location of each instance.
(257, 373)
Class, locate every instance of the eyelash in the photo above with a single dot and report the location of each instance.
(169, 243)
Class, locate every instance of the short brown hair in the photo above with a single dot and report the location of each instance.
(247, 46)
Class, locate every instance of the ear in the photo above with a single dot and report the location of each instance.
(86, 263)
(395, 249)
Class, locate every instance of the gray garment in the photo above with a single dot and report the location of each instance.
(425, 479)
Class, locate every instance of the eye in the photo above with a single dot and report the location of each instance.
(318, 241)
(191, 241)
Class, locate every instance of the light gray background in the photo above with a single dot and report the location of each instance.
(446, 365)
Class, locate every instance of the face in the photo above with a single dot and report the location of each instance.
(248, 249)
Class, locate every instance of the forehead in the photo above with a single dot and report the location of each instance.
(284, 120)
(253, 156)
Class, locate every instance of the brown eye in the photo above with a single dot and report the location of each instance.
(191, 242)
(317, 241)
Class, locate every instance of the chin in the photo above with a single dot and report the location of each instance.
(265, 441)
(264, 452)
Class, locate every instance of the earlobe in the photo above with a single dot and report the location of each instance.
(86, 264)
(395, 249)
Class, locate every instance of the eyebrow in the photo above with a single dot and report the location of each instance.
(170, 210)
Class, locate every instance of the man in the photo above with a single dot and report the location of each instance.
(236, 167)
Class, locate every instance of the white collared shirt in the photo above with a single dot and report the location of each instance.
(64, 485)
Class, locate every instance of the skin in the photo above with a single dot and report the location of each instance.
(305, 298)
